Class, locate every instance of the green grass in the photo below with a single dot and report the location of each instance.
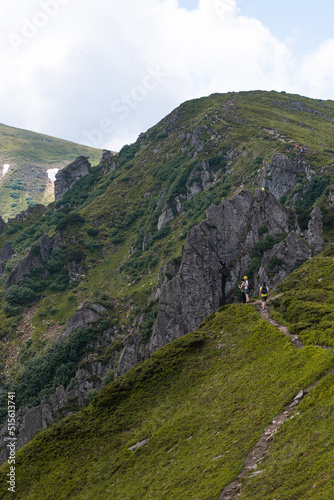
(306, 303)
(208, 394)
(299, 464)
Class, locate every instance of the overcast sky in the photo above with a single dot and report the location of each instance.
(101, 72)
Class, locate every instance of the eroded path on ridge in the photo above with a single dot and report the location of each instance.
(252, 466)
(298, 344)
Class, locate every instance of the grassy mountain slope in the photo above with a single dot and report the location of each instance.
(30, 155)
(104, 219)
(202, 402)
(104, 223)
(235, 133)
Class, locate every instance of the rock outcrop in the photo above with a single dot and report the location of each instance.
(2, 224)
(107, 161)
(281, 175)
(199, 179)
(6, 254)
(29, 421)
(66, 177)
(314, 232)
(240, 233)
(166, 216)
(87, 314)
(35, 258)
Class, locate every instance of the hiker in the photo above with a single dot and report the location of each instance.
(245, 285)
(264, 295)
(243, 296)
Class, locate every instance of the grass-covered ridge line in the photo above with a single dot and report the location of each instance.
(201, 401)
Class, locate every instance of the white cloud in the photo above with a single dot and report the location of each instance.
(102, 72)
(318, 72)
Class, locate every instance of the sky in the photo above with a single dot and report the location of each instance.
(100, 73)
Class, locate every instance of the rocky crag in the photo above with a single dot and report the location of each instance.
(29, 421)
(88, 378)
(282, 174)
(66, 177)
(245, 234)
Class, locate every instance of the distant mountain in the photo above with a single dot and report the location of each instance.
(28, 162)
(132, 274)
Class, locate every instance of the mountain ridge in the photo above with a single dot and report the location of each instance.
(121, 234)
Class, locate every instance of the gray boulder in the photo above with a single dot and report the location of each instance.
(87, 314)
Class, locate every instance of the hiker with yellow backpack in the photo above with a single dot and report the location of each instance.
(264, 295)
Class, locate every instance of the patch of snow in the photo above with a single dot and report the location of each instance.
(5, 168)
(52, 172)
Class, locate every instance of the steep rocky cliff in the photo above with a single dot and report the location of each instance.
(282, 175)
(248, 234)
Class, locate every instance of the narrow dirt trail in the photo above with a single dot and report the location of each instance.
(256, 456)
(298, 344)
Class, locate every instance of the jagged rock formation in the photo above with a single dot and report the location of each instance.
(63, 402)
(215, 257)
(281, 175)
(29, 421)
(107, 161)
(314, 232)
(35, 257)
(22, 216)
(66, 177)
(6, 254)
